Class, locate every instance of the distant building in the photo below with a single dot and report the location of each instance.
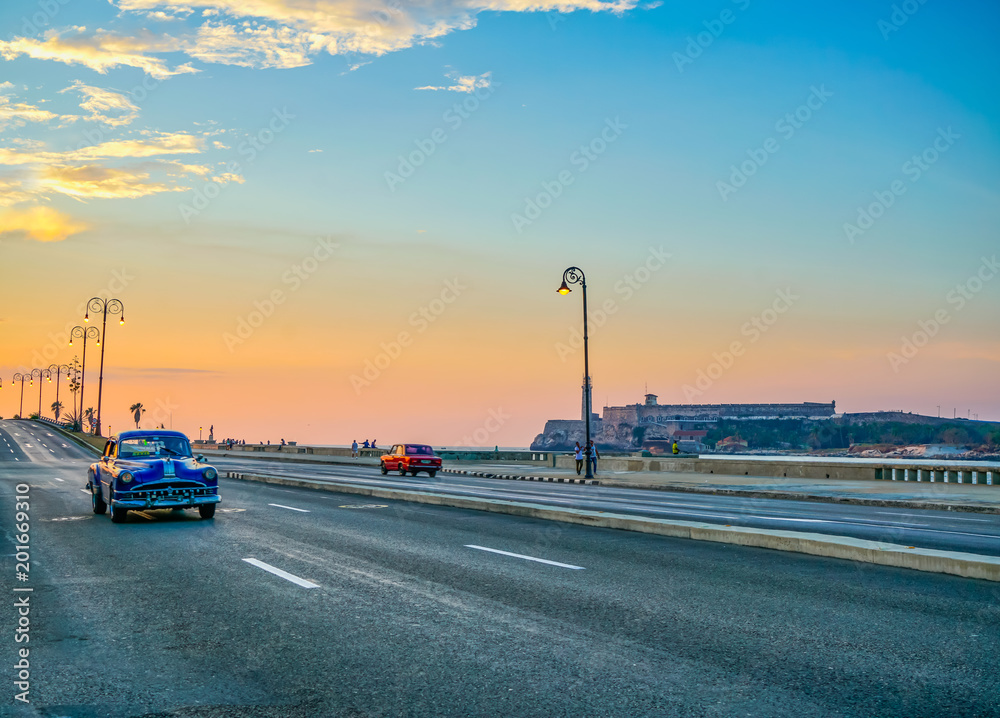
(618, 426)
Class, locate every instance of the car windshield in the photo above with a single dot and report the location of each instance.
(154, 447)
(419, 449)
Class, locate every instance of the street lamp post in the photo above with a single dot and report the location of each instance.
(86, 333)
(42, 374)
(574, 275)
(105, 306)
(19, 377)
(59, 369)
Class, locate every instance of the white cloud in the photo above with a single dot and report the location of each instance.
(100, 52)
(463, 83)
(253, 45)
(105, 106)
(289, 33)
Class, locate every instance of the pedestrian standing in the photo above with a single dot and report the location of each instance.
(354, 449)
(578, 455)
(592, 456)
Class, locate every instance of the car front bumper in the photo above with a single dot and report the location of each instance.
(165, 498)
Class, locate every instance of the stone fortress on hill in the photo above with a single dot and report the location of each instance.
(655, 426)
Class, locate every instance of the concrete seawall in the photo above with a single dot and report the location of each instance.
(855, 470)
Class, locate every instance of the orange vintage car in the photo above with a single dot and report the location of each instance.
(412, 458)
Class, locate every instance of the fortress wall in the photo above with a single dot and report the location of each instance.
(747, 411)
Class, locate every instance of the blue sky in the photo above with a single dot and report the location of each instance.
(546, 84)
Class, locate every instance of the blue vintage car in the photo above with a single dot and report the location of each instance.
(152, 469)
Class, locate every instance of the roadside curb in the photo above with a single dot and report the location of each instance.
(515, 477)
(883, 554)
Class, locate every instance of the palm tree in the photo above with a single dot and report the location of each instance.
(57, 407)
(89, 417)
(137, 410)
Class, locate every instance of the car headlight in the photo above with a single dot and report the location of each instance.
(125, 477)
(211, 474)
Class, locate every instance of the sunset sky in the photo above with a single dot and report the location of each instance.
(339, 219)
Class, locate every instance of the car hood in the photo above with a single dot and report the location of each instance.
(152, 469)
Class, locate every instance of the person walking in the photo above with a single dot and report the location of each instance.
(593, 456)
(578, 455)
(676, 449)
(354, 449)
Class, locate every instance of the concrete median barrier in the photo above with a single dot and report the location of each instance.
(851, 549)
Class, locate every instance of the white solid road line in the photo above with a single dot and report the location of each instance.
(290, 508)
(57, 478)
(283, 574)
(526, 558)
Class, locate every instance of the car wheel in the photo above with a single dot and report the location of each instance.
(99, 506)
(384, 470)
(413, 472)
(432, 474)
(118, 515)
(206, 511)
(402, 469)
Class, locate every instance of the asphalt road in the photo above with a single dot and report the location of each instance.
(945, 530)
(406, 613)
(23, 441)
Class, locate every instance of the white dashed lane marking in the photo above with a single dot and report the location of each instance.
(283, 574)
(290, 508)
(526, 558)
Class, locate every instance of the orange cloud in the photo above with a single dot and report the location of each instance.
(43, 224)
(101, 182)
(166, 144)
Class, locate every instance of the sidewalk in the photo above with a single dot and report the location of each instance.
(906, 494)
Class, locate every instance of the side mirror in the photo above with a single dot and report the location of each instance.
(199, 458)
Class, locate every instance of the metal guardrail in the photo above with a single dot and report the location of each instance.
(933, 475)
